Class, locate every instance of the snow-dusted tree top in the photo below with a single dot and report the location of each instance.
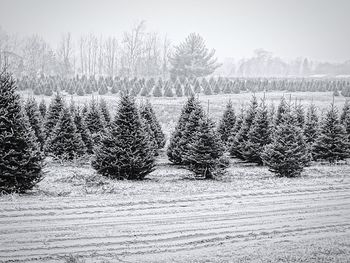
(192, 58)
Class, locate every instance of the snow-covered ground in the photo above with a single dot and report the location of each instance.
(246, 216)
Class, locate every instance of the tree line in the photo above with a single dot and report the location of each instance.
(177, 87)
(125, 146)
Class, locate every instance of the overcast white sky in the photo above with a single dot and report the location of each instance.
(317, 29)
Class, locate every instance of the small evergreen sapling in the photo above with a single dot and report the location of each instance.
(227, 123)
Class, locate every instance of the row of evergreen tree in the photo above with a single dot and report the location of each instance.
(285, 140)
(179, 87)
(124, 147)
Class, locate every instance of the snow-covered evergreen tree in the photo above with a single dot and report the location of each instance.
(227, 123)
(53, 114)
(205, 150)
(21, 161)
(311, 127)
(287, 154)
(259, 135)
(35, 120)
(42, 109)
(83, 130)
(125, 152)
(332, 143)
(105, 111)
(240, 140)
(183, 134)
(65, 141)
(95, 121)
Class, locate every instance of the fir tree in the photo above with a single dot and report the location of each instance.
(124, 152)
(83, 130)
(103, 89)
(168, 91)
(179, 139)
(178, 89)
(148, 115)
(188, 90)
(281, 109)
(344, 111)
(332, 143)
(42, 109)
(105, 112)
(95, 121)
(259, 135)
(20, 158)
(205, 150)
(157, 92)
(227, 123)
(53, 114)
(241, 138)
(65, 142)
(311, 127)
(300, 115)
(287, 154)
(80, 90)
(35, 120)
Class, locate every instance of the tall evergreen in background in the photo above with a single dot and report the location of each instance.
(21, 161)
(125, 152)
(227, 123)
(259, 135)
(205, 150)
(332, 143)
(241, 138)
(287, 154)
(65, 141)
(35, 120)
(53, 114)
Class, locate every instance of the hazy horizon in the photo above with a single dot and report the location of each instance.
(289, 29)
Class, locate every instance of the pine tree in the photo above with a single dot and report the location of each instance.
(281, 109)
(42, 109)
(124, 152)
(21, 161)
(95, 121)
(168, 91)
(344, 111)
(65, 142)
(178, 89)
(188, 90)
(180, 137)
(103, 89)
(332, 144)
(241, 138)
(80, 90)
(287, 154)
(35, 120)
(148, 115)
(227, 123)
(53, 114)
(205, 150)
(259, 135)
(300, 115)
(105, 112)
(83, 130)
(157, 92)
(311, 127)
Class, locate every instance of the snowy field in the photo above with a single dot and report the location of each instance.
(248, 215)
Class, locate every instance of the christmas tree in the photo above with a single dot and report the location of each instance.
(53, 114)
(42, 109)
(287, 154)
(35, 120)
(332, 143)
(241, 138)
(125, 152)
(227, 123)
(65, 141)
(259, 135)
(311, 127)
(95, 121)
(83, 130)
(105, 112)
(20, 158)
(180, 137)
(205, 150)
